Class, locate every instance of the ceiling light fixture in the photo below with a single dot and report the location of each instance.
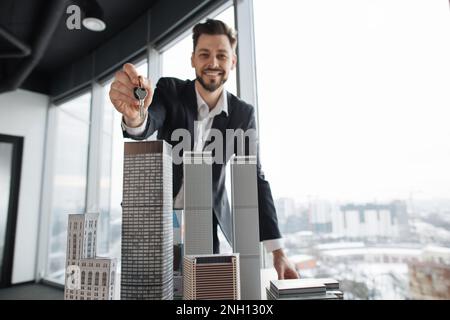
(93, 19)
(94, 24)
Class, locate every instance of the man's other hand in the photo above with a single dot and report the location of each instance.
(284, 267)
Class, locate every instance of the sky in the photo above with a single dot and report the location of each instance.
(353, 98)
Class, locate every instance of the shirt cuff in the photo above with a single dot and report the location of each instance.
(273, 244)
(138, 131)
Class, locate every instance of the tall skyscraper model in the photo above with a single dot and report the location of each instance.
(87, 277)
(198, 203)
(147, 230)
(244, 196)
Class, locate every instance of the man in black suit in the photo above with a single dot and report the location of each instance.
(200, 106)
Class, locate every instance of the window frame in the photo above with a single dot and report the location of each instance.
(47, 186)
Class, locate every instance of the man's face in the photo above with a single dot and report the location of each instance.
(213, 59)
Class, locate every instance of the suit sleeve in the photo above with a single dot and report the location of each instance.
(268, 222)
(156, 112)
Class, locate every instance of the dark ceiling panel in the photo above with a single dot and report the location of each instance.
(74, 58)
(21, 17)
(123, 46)
(69, 45)
(23, 20)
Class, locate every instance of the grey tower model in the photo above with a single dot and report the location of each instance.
(87, 277)
(244, 196)
(198, 203)
(147, 231)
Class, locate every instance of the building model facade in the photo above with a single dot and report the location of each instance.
(87, 277)
(208, 277)
(246, 241)
(178, 236)
(198, 203)
(147, 230)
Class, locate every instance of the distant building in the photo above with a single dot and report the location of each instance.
(372, 221)
(87, 277)
(291, 216)
(430, 278)
(370, 255)
(400, 213)
(147, 226)
(198, 203)
(436, 254)
(246, 240)
(211, 277)
(321, 215)
(285, 208)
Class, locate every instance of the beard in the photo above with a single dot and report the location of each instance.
(213, 85)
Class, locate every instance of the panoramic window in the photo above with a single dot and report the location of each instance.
(353, 108)
(69, 181)
(111, 178)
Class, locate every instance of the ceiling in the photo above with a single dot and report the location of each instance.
(52, 46)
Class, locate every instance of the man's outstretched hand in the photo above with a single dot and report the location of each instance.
(122, 96)
(284, 267)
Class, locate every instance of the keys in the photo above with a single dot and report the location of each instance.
(140, 93)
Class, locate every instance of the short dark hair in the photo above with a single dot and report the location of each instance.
(214, 27)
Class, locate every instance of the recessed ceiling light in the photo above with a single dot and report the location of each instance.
(94, 24)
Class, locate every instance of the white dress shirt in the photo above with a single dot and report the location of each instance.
(203, 126)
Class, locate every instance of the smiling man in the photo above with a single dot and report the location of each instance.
(204, 102)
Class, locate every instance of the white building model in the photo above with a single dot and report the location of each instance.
(147, 222)
(198, 203)
(246, 241)
(87, 277)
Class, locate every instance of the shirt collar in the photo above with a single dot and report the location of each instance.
(203, 109)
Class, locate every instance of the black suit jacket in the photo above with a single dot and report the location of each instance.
(174, 106)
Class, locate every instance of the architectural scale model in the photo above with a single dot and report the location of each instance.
(178, 236)
(198, 203)
(208, 277)
(87, 277)
(246, 241)
(147, 222)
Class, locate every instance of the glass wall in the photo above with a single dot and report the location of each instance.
(69, 176)
(69, 186)
(353, 108)
(6, 156)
